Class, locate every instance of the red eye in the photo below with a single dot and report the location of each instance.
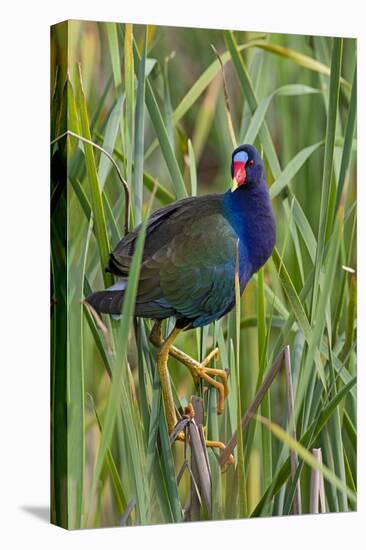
(251, 163)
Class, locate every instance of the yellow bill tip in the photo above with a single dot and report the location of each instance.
(234, 185)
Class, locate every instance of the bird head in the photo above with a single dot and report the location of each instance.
(246, 167)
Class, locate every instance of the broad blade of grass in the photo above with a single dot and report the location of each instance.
(307, 440)
(163, 137)
(265, 407)
(306, 456)
(351, 316)
(247, 88)
(293, 297)
(260, 113)
(205, 117)
(130, 97)
(96, 335)
(169, 470)
(110, 137)
(72, 115)
(157, 458)
(335, 430)
(100, 104)
(342, 286)
(192, 169)
(114, 397)
(320, 317)
(94, 187)
(297, 308)
(348, 138)
(271, 374)
(271, 297)
(328, 163)
(302, 60)
(292, 427)
(116, 480)
(255, 70)
(154, 422)
(79, 236)
(114, 53)
(85, 205)
(168, 108)
(292, 168)
(304, 228)
(243, 506)
(62, 116)
(294, 236)
(229, 120)
(137, 187)
(129, 432)
(162, 194)
(213, 434)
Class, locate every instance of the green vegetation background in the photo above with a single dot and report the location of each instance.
(154, 99)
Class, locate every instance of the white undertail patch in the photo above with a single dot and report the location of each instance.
(119, 285)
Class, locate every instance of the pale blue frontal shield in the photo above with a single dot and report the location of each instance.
(241, 156)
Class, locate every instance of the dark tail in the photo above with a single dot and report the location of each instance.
(106, 301)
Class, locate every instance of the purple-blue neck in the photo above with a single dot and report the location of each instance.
(249, 211)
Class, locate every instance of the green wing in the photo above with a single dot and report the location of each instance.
(194, 272)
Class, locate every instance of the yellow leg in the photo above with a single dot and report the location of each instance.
(166, 387)
(198, 370)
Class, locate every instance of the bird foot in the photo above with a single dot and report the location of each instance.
(197, 369)
(210, 443)
(180, 435)
(201, 370)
